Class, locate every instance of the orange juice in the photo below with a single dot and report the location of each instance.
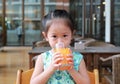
(65, 63)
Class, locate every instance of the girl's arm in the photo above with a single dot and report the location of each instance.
(41, 76)
(80, 76)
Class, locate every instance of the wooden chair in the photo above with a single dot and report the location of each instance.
(99, 44)
(42, 43)
(114, 76)
(94, 76)
(101, 64)
(23, 77)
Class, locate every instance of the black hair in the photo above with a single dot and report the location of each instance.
(58, 13)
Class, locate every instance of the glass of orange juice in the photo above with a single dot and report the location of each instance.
(65, 54)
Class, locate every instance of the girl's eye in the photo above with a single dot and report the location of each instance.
(54, 36)
(65, 35)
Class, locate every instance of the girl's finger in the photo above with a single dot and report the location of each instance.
(58, 60)
(57, 56)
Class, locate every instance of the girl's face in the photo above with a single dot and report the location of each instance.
(59, 32)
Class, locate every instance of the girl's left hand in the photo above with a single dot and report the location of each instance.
(70, 60)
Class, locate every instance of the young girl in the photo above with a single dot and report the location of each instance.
(59, 28)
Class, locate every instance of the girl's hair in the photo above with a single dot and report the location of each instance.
(62, 14)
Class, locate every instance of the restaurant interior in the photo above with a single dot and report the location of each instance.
(97, 37)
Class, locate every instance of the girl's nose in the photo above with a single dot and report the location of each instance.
(60, 40)
(59, 45)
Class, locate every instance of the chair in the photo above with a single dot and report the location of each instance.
(114, 76)
(99, 44)
(83, 43)
(23, 77)
(42, 43)
(94, 76)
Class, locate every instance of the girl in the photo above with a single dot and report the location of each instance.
(59, 28)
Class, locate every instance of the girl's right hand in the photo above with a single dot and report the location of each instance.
(55, 64)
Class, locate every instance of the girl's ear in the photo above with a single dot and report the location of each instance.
(45, 36)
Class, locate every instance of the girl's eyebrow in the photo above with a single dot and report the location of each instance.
(53, 33)
(66, 33)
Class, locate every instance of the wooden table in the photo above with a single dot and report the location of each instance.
(91, 54)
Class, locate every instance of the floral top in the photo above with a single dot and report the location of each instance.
(61, 77)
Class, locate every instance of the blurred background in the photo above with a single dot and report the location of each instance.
(92, 18)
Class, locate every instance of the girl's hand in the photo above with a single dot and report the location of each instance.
(55, 64)
(70, 61)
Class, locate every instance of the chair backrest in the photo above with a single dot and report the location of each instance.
(113, 78)
(116, 69)
(42, 43)
(94, 77)
(23, 77)
(99, 44)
